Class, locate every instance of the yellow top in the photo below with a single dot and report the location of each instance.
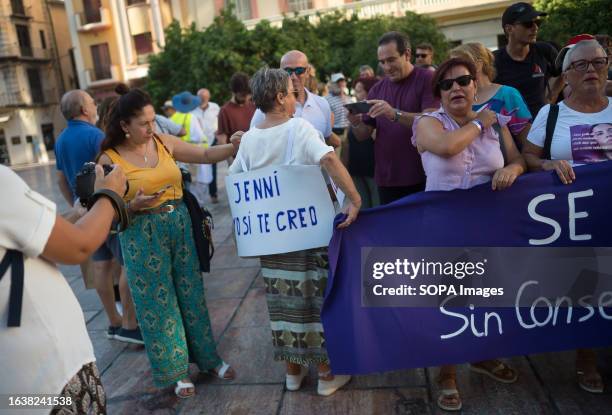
(151, 179)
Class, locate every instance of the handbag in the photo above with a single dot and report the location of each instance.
(202, 225)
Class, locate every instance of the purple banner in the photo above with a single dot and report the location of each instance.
(538, 211)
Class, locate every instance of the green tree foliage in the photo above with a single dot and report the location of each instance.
(567, 18)
(192, 59)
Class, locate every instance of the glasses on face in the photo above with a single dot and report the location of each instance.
(582, 65)
(529, 25)
(299, 70)
(295, 93)
(447, 84)
(421, 55)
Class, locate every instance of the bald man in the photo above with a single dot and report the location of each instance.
(207, 115)
(311, 107)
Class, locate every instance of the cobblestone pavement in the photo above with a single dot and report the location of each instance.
(235, 296)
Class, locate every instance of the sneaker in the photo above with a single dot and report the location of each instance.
(111, 332)
(129, 336)
(294, 382)
(328, 387)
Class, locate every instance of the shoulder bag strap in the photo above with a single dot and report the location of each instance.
(551, 123)
(14, 259)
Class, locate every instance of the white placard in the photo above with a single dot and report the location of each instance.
(280, 209)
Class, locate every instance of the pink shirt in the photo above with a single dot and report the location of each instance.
(475, 165)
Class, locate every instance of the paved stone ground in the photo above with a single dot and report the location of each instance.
(235, 295)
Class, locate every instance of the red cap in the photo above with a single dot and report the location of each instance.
(579, 38)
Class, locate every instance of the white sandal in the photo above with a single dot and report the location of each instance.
(220, 371)
(447, 393)
(181, 386)
(329, 387)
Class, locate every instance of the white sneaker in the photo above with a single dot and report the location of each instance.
(294, 382)
(328, 387)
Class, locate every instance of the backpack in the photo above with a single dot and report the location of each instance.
(551, 123)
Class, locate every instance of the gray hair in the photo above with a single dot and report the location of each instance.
(567, 59)
(266, 84)
(71, 104)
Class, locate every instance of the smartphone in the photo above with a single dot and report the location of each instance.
(361, 107)
(162, 190)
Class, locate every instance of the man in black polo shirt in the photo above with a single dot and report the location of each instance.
(525, 64)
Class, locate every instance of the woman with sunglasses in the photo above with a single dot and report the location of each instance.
(295, 281)
(585, 69)
(461, 148)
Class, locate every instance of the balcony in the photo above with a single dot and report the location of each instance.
(15, 51)
(370, 8)
(92, 81)
(85, 24)
(12, 99)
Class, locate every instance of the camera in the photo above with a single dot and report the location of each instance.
(86, 178)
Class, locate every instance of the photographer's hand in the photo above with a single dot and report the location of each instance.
(115, 180)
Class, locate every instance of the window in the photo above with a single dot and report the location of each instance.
(242, 8)
(17, 7)
(101, 60)
(130, 2)
(144, 46)
(48, 136)
(35, 86)
(92, 11)
(29, 139)
(299, 5)
(43, 41)
(4, 155)
(16, 140)
(23, 35)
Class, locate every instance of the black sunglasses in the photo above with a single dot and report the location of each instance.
(298, 70)
(447, 84)
(421, 55)
(529, 25)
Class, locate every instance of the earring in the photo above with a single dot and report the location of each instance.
(475, 97)
(127, 135)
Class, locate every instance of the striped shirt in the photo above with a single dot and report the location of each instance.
(336, 102)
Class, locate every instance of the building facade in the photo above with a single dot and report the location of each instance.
(31, 82)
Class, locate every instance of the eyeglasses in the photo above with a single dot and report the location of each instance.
(529, 25)
(298, 70)
(447, 84)
(421, 55)
(583, 65)
(295, 92)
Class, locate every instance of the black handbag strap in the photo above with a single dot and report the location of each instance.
(551, 123)
(14, 259)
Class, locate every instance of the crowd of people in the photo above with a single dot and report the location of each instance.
(477, 117)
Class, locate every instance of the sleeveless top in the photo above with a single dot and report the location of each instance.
(152, 179)
(475, 165)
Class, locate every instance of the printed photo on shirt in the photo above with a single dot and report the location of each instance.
(591, 143)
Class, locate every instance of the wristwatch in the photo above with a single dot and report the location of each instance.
(397, 115)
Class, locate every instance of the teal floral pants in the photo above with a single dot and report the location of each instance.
(164, 278)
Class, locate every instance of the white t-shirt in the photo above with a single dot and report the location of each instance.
(52, 343)
(579, 137)
(316, 111)
(265, 147)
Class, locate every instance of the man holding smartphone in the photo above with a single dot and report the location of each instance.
(397, 99)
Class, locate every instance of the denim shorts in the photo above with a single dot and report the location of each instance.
(111, 248)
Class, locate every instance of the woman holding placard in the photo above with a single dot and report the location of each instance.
(295, 281)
